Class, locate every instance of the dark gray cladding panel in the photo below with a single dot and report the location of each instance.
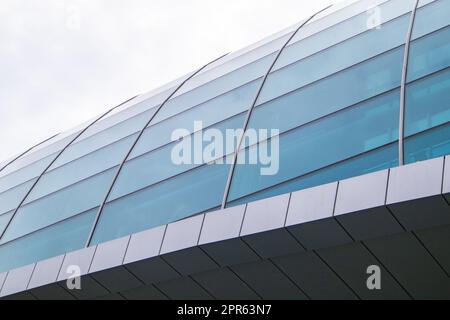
(153, 270)
(52, 291)
(311, 274)
(184, 289)
(351, 263)
(230, 252)
(411, 264)
(144, 293)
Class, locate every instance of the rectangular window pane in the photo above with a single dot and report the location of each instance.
(9, 200)
(376, 160)
(158, 164)
(337, 137)
(196, 191)
(4, 219)
(431, 17)
(428, 145)
(427, 103)
(429, 54)
(69, 235)
(210, 112)
(341, 90)
(58, 206)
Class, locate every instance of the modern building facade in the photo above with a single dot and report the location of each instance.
(360, 94)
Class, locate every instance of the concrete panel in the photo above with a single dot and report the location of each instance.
(264, 278)
(314, 277)
(360, 193)
(414, 195)
(412, 266)
(265, 215)
(230, 252)
(153, 270)
(109, 254)
(182, 234)
(46, 272)
(414, 181)
(145, 244)
(17, 280)
(312, 204)
(183, 289)
(225, 285)
(446, 185)
(144, 293)
(80, 258)
(222, 225)
(190, 261)
(351, 261)
(437, 241)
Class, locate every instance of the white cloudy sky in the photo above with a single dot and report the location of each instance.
(64, 61)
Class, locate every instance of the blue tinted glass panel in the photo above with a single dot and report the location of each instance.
(69, 235)
(376, 160)
(193, 192)
(427, 145)
(431, 17)
(81, 168)
(158, 164)
(210, 112)
(23, 175)
(429, 54)
(427, 103)
(9, 200)
(336, 58)
(4, 219)
(104, 138)
(215, 88)
(337, 137)
(66, 203)
(331, 94)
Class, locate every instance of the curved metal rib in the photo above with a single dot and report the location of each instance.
(250, 110)
(100, 210)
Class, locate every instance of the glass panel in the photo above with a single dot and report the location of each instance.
(350, 28)
(376, 160)
(185, 195)
(431, 17)
(58, 239)
(345, 55)
(4, 219)
(215, 88)
(105, 137)
(210, 112)
(158, 165)
(9, 200)
(331, 94)
(427, 145)
(429, 54)
(427, 103)
(25, 174)
(59, 206)
(339, 136)
(81, 168)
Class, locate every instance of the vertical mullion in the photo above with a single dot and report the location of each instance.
(401, 127)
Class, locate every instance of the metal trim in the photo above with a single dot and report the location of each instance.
(401, 127)
(250, 110)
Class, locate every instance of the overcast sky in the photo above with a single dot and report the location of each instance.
(64, 62)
